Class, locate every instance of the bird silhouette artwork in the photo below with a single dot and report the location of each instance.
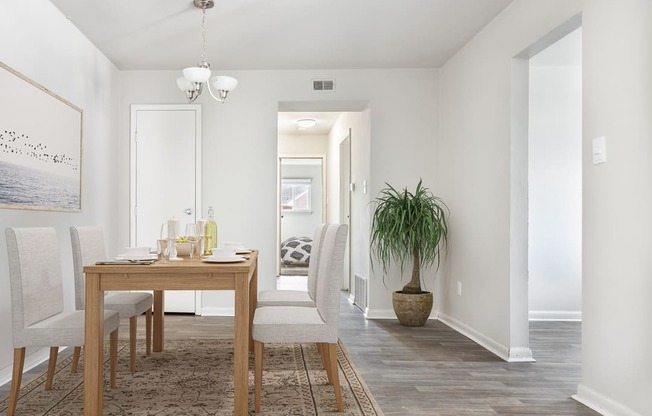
(12, 142)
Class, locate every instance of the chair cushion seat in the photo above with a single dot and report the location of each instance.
(128, 304)
(65, 328)
(290, 324)
(285, 298)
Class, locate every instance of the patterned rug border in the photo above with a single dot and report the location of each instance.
(361, 393)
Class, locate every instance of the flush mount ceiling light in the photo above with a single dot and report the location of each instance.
(306, 123)
(194, 78)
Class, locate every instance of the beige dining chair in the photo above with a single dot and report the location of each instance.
(37, 313)
(298, 297)
(88, 248)
(298, 324)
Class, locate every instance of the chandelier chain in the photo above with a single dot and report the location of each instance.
(204, 57)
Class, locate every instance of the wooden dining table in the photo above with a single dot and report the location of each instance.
(188, 274)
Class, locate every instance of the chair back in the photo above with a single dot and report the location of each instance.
(87, 248)
(34, 277)
(313, 267)
(331, 267)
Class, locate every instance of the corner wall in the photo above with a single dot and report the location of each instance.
(474, 173)
(617, 283)
(39, 42)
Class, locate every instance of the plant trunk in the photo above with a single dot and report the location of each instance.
(414, 286)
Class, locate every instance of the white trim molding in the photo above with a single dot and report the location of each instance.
(604, 405)
(502, 351)
(31, 360)
(555, 316)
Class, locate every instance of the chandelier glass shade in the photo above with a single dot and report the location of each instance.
(194, 77)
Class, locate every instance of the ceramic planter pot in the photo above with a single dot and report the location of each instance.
(412, 309)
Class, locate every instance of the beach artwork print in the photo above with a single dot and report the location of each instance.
(40, 146)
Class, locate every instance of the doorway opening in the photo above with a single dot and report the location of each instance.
(543, 139)
(340, 138)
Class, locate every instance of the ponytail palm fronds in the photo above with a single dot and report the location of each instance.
(405, 225)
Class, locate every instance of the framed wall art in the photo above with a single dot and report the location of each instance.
(40, 146)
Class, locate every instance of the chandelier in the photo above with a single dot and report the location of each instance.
(194, 77)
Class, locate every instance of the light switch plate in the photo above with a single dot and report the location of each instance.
(599, 150)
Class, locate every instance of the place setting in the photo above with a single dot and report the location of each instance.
(230, 252)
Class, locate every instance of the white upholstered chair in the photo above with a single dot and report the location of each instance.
(298, 324)
(298, 297)
(37, 315)
(88, 248)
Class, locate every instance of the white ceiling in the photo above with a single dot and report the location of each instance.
(281, 34)
(287, 122)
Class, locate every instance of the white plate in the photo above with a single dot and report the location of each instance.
(235, 259)
(243, 251)
(145, 257)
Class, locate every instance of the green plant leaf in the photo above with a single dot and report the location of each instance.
(408, 225)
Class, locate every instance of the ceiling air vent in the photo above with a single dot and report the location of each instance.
(323, 85)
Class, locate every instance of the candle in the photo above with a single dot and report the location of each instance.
(174, 227)
(201, 225)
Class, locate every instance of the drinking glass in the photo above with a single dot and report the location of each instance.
(193, 238)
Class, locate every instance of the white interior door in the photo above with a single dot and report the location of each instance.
(166, 171)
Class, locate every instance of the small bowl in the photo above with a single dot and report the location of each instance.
(223, 253)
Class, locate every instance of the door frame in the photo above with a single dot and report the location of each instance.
(279, 213)
(345, 196)
(133, 136)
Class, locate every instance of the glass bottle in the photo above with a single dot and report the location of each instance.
(210, 233)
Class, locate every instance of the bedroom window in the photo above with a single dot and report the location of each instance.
(295, 195)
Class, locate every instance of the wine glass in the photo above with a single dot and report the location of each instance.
(193, 238)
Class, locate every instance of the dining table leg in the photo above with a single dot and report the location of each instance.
(241, 346)
(93, 346)
(253, 300)
(159, 327)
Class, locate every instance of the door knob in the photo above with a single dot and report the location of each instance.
(188, 211)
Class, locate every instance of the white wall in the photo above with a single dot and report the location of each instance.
(474, 168)
(617, 266)
(401, 121)
(39, 42)
(301, 145)
(555, 182)
(359, 125)
(303, 224)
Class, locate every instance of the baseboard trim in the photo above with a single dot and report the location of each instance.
(555, 315)
(217, 311)
(32, 360)
(380, 314)
(602, 404)
(488, 343)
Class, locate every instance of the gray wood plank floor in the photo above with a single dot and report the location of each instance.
(432, 370)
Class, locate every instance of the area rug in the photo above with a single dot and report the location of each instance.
(195, 377)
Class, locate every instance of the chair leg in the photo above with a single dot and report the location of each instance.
(148, 331)
(75, 360)
(323, 351)
(133, 326)
(52, 364)
(332, 354)
(19, 361)
(258, 373)
(114, 357)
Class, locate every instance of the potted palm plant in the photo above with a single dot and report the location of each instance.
(406, 226)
